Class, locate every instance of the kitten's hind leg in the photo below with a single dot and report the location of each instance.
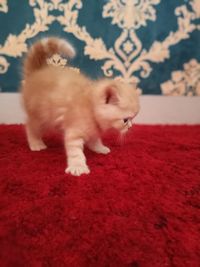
(98, 147)
(34, 135)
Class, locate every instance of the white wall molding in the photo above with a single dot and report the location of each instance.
(154, 109)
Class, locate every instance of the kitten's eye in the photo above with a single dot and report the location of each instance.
(125, 120)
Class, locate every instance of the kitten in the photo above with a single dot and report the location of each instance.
(83, 109)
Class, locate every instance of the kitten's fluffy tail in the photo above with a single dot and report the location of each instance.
(39, 52)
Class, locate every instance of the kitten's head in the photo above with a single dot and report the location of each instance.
(115, 105)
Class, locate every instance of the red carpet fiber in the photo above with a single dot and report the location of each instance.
(139, 207)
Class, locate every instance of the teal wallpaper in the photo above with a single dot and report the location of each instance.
(155, 43)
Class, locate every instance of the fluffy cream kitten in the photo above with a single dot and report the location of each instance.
(83, 109)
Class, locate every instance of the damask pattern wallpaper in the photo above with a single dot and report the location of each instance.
(154, 43)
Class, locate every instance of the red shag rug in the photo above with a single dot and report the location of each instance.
(139, 207)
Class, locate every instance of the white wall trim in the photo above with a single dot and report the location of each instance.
(154, 109)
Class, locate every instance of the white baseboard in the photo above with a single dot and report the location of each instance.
(154, 109)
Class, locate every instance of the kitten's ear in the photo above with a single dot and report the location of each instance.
(111, 95)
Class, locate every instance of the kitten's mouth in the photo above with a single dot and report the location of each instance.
(128, 122)
(127, 128)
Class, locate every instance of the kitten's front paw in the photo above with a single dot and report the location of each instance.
(37, 145)
(77, 170)
(103, 150)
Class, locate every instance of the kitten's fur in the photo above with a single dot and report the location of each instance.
(54, 97)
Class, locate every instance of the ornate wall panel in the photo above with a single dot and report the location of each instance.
(155, 43)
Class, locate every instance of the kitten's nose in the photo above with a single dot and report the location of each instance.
(130, 123)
